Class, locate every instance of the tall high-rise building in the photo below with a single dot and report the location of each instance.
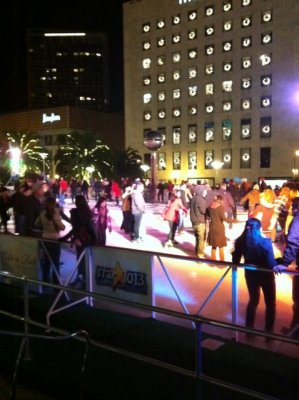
(67, 69)
(219, 79)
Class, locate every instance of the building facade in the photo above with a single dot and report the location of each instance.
(219, 79)
(67, 68)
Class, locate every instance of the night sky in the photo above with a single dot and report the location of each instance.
(89, 15)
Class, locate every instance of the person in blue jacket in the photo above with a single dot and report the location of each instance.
(257, 250)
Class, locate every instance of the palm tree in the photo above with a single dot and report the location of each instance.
(82, 153)
(126, 163)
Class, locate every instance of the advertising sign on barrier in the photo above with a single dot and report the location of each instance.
(18, 256)
(122, 274)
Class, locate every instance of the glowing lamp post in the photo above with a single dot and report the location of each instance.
(145, 168)
(217, 165)
(44, 156)
(153, 141)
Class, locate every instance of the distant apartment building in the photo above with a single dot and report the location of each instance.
(219, 79)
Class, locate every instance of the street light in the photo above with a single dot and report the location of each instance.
(216, 164)
(44, 156)
(145, 168)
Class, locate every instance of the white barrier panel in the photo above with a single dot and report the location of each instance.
(18, 255)
(122, 274)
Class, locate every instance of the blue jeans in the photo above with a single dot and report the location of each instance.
(137, 223)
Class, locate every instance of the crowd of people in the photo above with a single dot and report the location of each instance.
(37, 209)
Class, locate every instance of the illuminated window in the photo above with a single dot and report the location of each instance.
(209, 69)
(192, 160)
(245, 155)
(245, 22)
(161, 60)
(246, 62)
(209, 30)
(227, 128)
(176, 57)
(266, 101)
(227, 86)
(192, 91)
(227, 66)
(209, 158)
(176, 19)
(176, 38)
(161, 114)
(161, 23)
(209, 107)
(227, 105)
(245, 104)
(192, 133)
(246, 42)
(265, 59)
(265, 157)
(176, 93)
(227, 26)
(161, 161)
(209, 11)
(246, 3)
(146, 80)
(209, 131)
(266, 38)
(192, 110)
(246, 128)
(146, 63)
(227, 46)
(209, 49)
(161, 42)
(227, 6)
(246, 83)
(161, 78)
(146, 27)
(147, 115)
(192, 34)
(227, 158)
(265, 126)
(161, 96)
(266, 80)
(176, 160)
(146, 45)
(192, 15)
(209, 89)
(192, 72)
(192, 53)
(176, 112)
(147, 97)
(266, 16)
(176, 75)
(176, 135)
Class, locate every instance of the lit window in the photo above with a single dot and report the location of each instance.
(192, 133)
(245, 22)
(192, 72)
(246, 42)
(265, 125)
(266, 38)
(246, 3)
(176, 19)
(265, 59)
(209, 158)
(227, 46)
(192, 160)
(161, 42)
(209, 30)
(161, 161)
(246, 83)
(245, 104)
(176, 93)
(209, 69)
(227, 128)
(176, 112)
(209, 131)
(176, 75)
(246, 128)
(160, 23)
(176, 57)
(176, 38)
(209, 11)
(192, 15)
(147, 115)
(161, 96)
(192, 91)
(147, 80)
(146, 63)
(161, 78)
(192, 53)
(246, 62)
(227, 105)
(245, 158)
(209, 50)
(266, 80)
(209, 89)
(192, 110)
(176, 135)
(147, 97)
(266, 101)
(227, 86)
(209, 107)
(266, 16)
(161, 60)
(227, 26)
(227, 158)
(176, 160)
(161, 114)
(192, 34)
(146, 28)
(227, 66)
(227, 6)
(146, 45)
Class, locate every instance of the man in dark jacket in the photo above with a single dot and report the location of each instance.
(198, 208)
(290, 254)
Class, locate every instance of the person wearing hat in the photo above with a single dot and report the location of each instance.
(253, 197)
